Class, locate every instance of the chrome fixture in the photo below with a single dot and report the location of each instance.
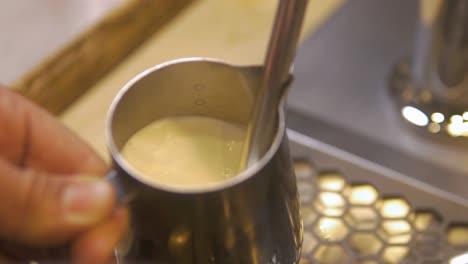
(431, 89)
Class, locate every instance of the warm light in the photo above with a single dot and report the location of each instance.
(331, 254)
(458, 235)
(303, 169)
(367, 261)
(365, 244)
(363, 195)
(465, 115)
(394, 208)
(438, 117)
(396, 231)
(461, 259)
(330, 204)
(434, 128)
(415, 116)
(362, 218)
(397, 227)
(456, 119)
(458, 129)
(331, 199)
(331, 229)
(331, 182)
(395, 254)
(179, 240)
(424, 220)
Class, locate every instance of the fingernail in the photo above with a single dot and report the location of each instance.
(86, 201)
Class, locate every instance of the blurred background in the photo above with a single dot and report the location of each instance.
(33, 30)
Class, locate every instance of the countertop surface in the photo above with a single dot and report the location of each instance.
(33, 30)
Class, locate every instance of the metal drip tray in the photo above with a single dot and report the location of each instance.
(372, 191)
(356, 211)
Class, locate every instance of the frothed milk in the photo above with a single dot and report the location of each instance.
(186, 151)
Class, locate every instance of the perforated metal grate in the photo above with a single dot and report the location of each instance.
(348, 222)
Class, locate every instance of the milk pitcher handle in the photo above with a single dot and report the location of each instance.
(123, 195)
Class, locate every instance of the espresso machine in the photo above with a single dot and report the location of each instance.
(377, 126)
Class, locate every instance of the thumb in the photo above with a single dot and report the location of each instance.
(43, 210)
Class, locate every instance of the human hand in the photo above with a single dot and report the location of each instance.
(50, 190)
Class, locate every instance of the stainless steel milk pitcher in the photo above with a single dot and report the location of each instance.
(250, 218)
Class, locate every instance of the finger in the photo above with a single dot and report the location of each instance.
(97, 245)
(32, 138)
(41, 210)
